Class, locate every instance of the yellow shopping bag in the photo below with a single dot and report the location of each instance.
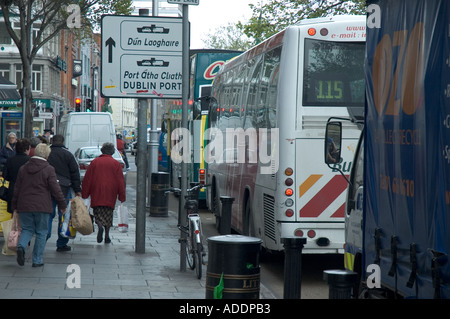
(4, 215)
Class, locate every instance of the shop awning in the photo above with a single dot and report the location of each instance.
(8, 90)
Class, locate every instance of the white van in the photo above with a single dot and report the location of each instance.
(87, 129)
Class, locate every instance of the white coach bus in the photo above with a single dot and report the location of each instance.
(270, 108)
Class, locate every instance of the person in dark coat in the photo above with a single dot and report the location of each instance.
(13, 164)
(104, 183)
(36, 184)
(8, 150)
(68, 175)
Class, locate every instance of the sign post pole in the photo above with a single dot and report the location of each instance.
(184, 124)
(184, 111)
(141, 170)
(141, 58)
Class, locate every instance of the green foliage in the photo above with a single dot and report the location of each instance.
(94, 9)
(275, 15)
(229, 37)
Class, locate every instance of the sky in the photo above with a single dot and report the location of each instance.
(211, 14)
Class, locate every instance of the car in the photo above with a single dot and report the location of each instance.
(85, 155)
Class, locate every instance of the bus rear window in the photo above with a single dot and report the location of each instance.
(333, 73)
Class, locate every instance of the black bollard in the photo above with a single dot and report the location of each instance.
(293, 266)
(340, 283)
(225, 219)
(159, 200)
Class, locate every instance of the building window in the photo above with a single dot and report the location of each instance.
(4, 70)
(5, 38)
(36, 77)
(36, 27)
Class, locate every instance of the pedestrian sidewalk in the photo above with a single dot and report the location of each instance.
(112, 270)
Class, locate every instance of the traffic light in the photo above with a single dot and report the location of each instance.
(77, 104)
(89, 105)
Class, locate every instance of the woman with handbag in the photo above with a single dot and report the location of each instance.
(104, 183)
(35, 186)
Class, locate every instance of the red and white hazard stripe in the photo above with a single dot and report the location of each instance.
(321, 197)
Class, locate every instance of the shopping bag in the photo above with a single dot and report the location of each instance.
(81, 220)
(122, 211)
(4, 189)
(4, 215)
(66, 230)
(6, 226)
(14, 234)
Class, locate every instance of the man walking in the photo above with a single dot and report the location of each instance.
(68, 175)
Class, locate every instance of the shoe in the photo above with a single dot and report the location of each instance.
(107, 240)
(100, 235)
(37, 265)
(64, 248)
(20, 256)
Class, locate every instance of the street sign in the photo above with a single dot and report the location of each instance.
(46, 115)
(194, 2)
(141, 57)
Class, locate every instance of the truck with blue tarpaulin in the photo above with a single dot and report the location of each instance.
(398, 205)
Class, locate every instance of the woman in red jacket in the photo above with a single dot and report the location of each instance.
(105, 183)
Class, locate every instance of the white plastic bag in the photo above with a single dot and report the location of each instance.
(66, 230)
(122, 211)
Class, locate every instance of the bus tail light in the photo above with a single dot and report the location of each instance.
(202, 176)
(289, 213)
(288, 182)
(298, 232)
(311, 31)
(289, 192)
(311, 233)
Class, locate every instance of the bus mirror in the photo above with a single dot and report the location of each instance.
(333, 141)
(164, 126)
(197, 108)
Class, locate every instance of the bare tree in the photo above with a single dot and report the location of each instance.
(40, 21)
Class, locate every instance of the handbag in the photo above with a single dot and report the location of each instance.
(66, 230)
(14, 234)
(6, 227)
(122, 211)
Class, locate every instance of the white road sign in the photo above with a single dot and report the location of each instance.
(46, 115)
(141, 57)
(194, 2)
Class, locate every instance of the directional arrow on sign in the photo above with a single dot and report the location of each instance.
(110, 43)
